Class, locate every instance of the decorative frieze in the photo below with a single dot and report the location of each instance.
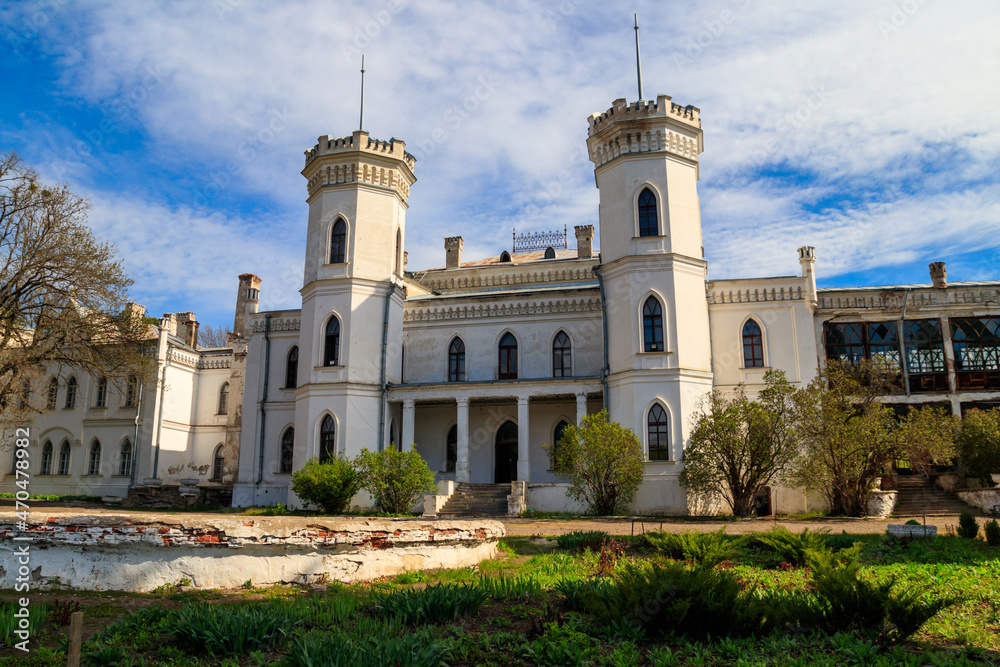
(748, 295)
(893, 299)
(277, 324)
(480, 278)
(416, 312)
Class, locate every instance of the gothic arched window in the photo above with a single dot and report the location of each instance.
(505, 256)
(331, 343)
(647, 214)
(94, 460)
(327, 439)
(557, 437)
(64, 458)
(658, 437)
(132, 392)
(562, 356)
(507, 357)
(652, 325)
(71, 393)
(292, 368)
(125, 458)
(550, 253)
(456, 360)
(338, 242)
(102, 393)
(753, 345)
(287, 450)
(52, 394)
(223, 398)
(218, 463)
(46, 468)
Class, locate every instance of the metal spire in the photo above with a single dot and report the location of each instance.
(638, 62)
(361, 123)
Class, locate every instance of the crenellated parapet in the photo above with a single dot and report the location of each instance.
(359, 159)
(646, 126)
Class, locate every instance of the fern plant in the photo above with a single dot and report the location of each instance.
(701, 549)
(791, 547)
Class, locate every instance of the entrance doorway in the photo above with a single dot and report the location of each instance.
(505, 451)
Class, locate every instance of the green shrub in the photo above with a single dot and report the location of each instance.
(968, 527)
(37, 614)
(330, 484)
(432, 604)
(912, 522)
(702, 549)
(230, 630)
(979, 444)
(105, 655)
(581, 539)
(992, 531)
(791, 547)
(841, 541)
(395, 479)
(368, 646)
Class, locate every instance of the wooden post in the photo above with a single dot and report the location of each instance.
(75, 639)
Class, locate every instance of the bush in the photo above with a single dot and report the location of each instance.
(793, 548)
(602, 461)
(330, 484)
(979, 444)
(579, 540)
(432, 604)
(702, 549)
(230, 630)
(968, 527)
(992, 531)
(395, 479)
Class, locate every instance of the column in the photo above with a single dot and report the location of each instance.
(408, 414)
(523, 461)
(462, 457)
(581, 408)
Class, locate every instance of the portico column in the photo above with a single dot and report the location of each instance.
(523, 460)
(408, 414)
(581, 408)
(462, 455)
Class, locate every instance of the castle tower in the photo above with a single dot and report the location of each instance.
(352, 295)
(645, 159)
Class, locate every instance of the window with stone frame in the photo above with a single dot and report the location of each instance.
(331, 343)
(658, 433)
(125, 458)
(46, 467)
(456, 360)
(976, 342)
(507, 357)
(924, 354)
(327, 439)
(64, 454)
(218, 463)
(94, 459)
(648, 224)
(753, 345)
(338, 242)
(101, 400)
(652, 325)
(287, 450)
(562, 356)
(52, 394)
(71, 387)
(292, 368)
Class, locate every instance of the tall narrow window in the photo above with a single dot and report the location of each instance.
(292, 368)
(223, 398)
(327, 439)
(64, 458)
(125, 458)
(451, 449)
(338, 242)
(331, 343)
(132, 392)
(647, 214)
(508, 357)
(218, 463)
(456, 360)
(399, 252)
(652, 325)
(557, 437)
(94, 460)
(52, 394)
(102, 394)
(46, 468)
(657, 435)
(287, 450)
(25, 397)
(562, 356)
(753, 345)
(71, 393)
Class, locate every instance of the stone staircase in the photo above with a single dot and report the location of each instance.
(919, 496)
(477, 500)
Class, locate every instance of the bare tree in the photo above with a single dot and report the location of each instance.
(63, 296)
(209, 336)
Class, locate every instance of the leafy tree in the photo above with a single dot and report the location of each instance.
(330, 484)
(395, 479)
(602, 461)
(847, 435)
(63, 295)
(926, 436)
(209, 336)
(979, 444)
(739, 445)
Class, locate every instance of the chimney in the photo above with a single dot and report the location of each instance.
(939, 275)
(807, 259)
(247, 300)
(453, 252)
(191, 333)
(584, 240)
(169, 323)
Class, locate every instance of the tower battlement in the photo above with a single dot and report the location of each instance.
(360, 141)
(359, 159)
(661, 107)
(642, 127)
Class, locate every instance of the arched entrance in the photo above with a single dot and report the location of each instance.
(505, 451)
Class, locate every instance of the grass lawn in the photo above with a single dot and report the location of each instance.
(524, 608)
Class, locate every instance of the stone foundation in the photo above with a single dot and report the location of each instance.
(987, 500)
(142, 552)
(881, 503)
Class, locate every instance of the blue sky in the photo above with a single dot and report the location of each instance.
(865, 128)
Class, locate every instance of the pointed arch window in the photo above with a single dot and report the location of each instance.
(102, 394)
(131, 392)
(505, 256)
(399, 253)
(327, 439)
(292, 368)
(451, 449)
(652, 325)
(562, 356)
(648, 225)
(46, 468)
(125, 458)
(550, 253)
(753, 345)
(557, 436)
(507, 366)
(64, 452)
(52, 394)
(94, 459)
(223, 399)
(71, 386)
(657, 432)
(218, 463)
(287, 450)
(331, 343)
(338, 242)
(456, 360)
